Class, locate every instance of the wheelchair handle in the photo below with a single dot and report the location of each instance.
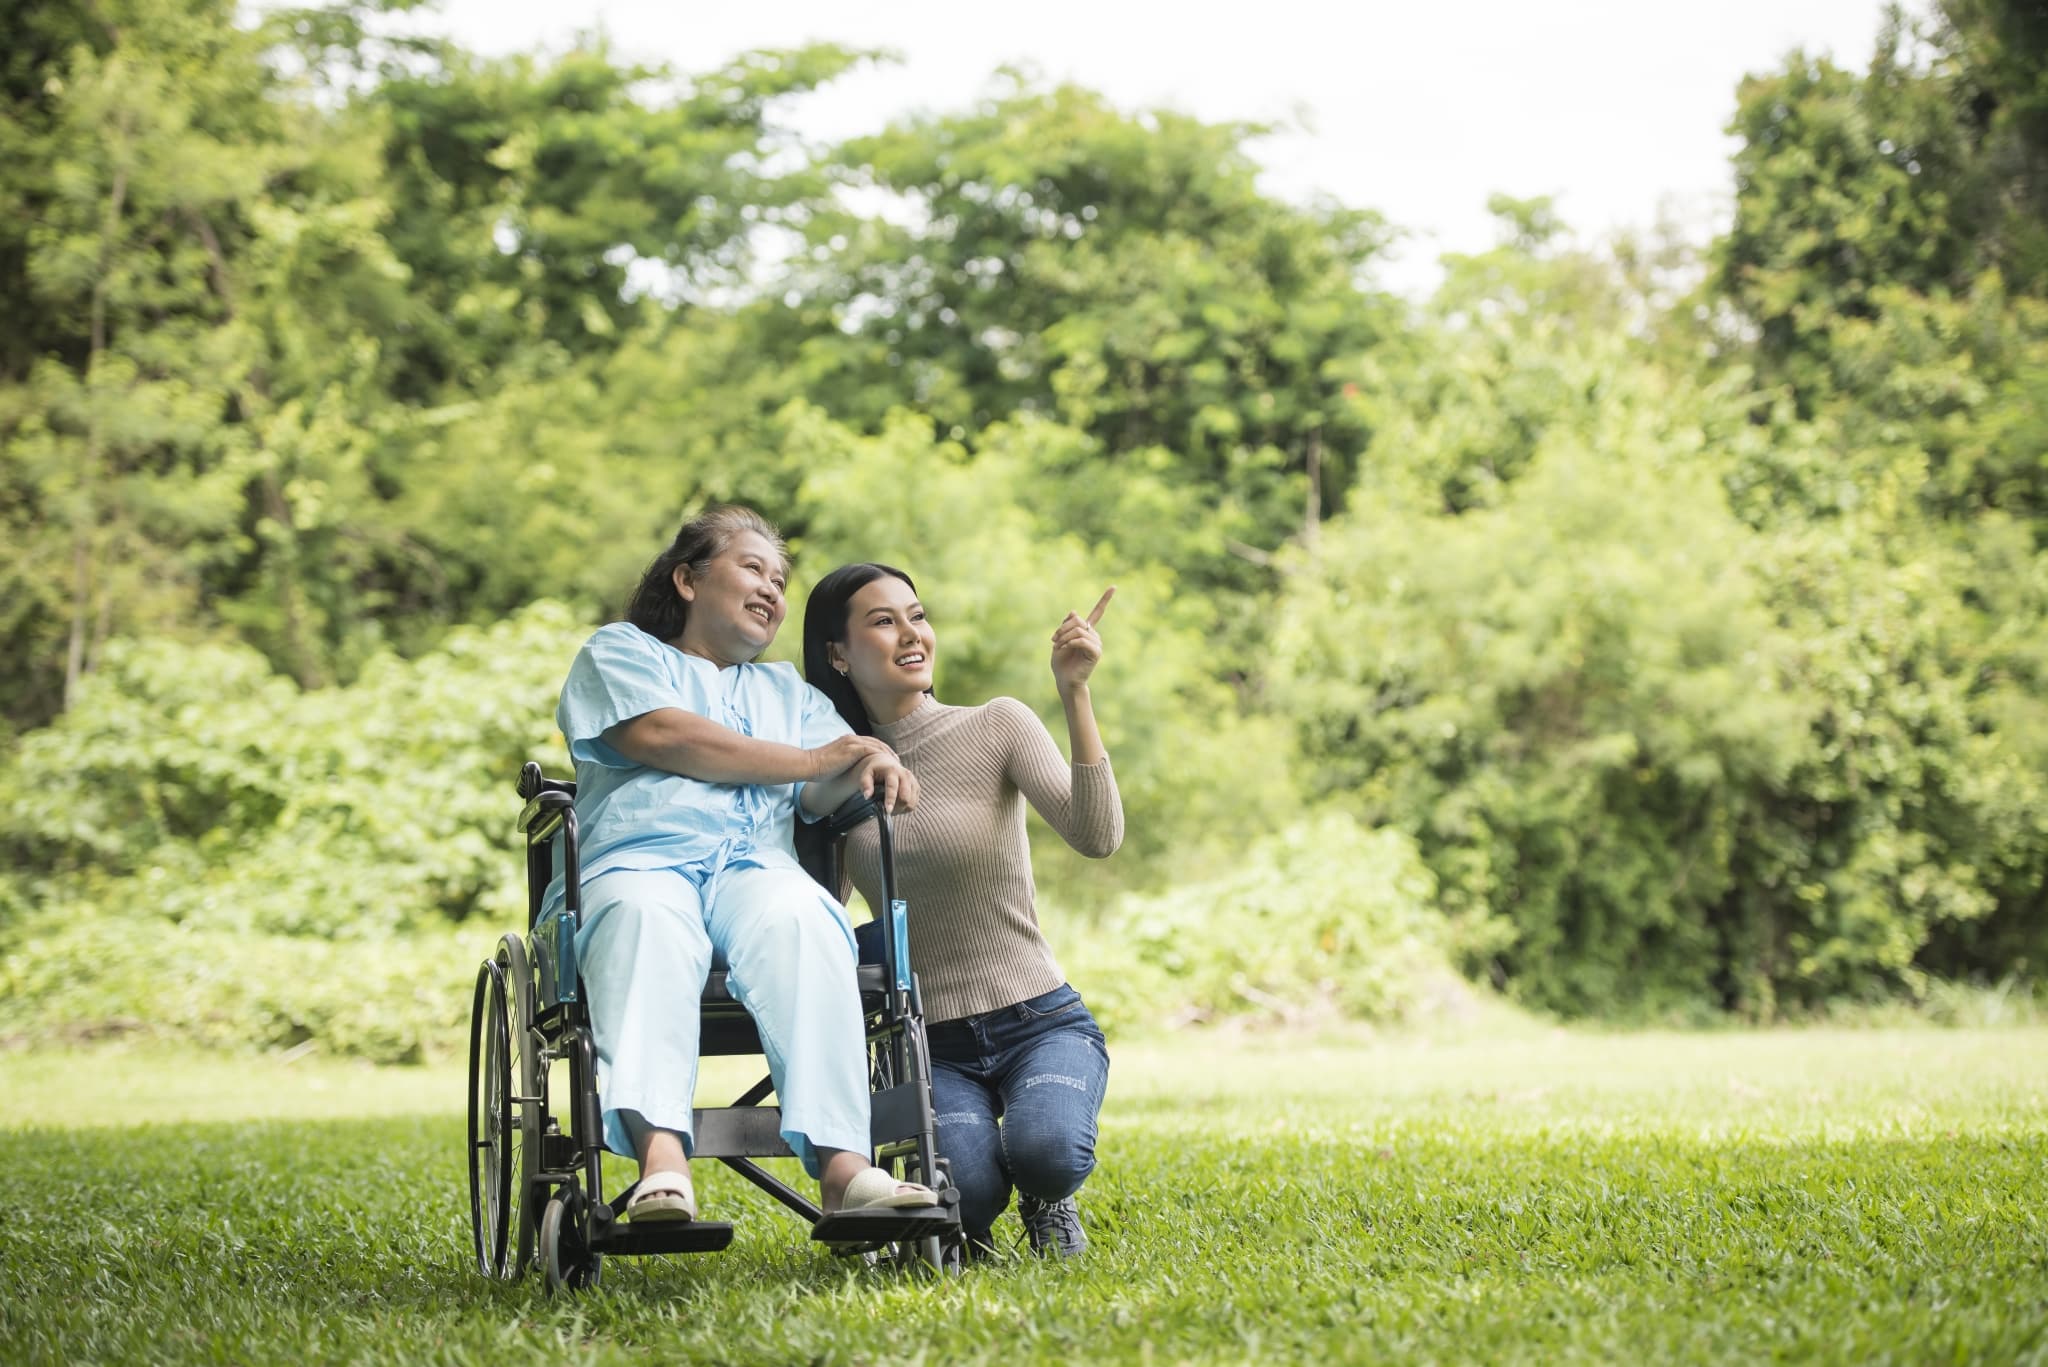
(849, 815)
(532, 783)
(895, 938)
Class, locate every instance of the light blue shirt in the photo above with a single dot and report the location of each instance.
(630, 816)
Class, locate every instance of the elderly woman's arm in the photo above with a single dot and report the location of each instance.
(681, 742)
(696, 747)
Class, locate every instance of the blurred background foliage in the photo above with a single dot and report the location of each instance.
(1652, 629)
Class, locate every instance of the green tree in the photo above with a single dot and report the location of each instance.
(1536, 642)
(302, 332)
(150, 136)
(1051, 255)
(1669, 742)
(1884, 270)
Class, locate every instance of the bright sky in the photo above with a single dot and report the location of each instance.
(1417, 110)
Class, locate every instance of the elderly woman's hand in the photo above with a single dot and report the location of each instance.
(836, 757)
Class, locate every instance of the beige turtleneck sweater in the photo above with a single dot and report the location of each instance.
(963, 865)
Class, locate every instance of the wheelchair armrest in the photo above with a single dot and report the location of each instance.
(850, 814)
(532, 783)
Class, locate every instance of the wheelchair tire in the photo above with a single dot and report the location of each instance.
(491, 1122)
(529, 1102)
(565, 1260)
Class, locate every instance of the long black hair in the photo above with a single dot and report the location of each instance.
(825, 625)
(655, 607)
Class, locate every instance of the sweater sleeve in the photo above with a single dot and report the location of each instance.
(1080, 801)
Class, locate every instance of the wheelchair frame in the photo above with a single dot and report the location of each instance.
(537, 1189)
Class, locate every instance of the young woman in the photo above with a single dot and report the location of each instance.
(691, 764)
(1019, 1065)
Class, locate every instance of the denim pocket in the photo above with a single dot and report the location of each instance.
(1046, 1005)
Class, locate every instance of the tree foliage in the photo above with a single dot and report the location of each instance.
(1653, 628)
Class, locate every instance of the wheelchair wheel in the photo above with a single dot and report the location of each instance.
(490, 1175)
(529, 1101)
(500, 1158)
(564, 1257)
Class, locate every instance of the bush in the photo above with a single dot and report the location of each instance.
(193, 785)
(201, 849)
(1325, 919)
(395, 999)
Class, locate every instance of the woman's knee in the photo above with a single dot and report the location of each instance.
(785, 908)
(1048, 1161)
(790, 931)
(641, 946)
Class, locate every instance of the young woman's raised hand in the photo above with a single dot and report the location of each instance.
(1077, 647)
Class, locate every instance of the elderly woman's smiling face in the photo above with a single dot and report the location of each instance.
(736, 603)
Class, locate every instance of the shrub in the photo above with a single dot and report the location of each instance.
(1326, 918)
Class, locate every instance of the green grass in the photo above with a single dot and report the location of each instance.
(1851, 1196)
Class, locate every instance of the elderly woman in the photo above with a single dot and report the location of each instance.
(692, 762)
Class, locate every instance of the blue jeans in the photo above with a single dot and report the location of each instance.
(1017, 1093)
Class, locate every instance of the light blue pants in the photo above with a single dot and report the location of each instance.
(647, 942)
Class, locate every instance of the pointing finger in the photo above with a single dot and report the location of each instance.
(1101, 605)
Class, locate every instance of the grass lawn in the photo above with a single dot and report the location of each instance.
(1852, 1196)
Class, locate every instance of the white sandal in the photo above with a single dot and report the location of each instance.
(663, 1196)
(874, 1189)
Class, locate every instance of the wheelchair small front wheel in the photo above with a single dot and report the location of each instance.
(564, 1256)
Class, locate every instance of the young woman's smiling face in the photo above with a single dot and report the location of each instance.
(889, 647)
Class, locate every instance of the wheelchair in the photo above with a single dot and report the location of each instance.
(536, 1181)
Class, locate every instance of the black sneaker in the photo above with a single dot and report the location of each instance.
(1054, 1226)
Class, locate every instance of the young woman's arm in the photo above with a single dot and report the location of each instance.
(1083, 738)
(1080, 801)
(1076, 650)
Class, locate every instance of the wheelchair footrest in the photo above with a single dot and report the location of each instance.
(627, 1239)
(871, 1228)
